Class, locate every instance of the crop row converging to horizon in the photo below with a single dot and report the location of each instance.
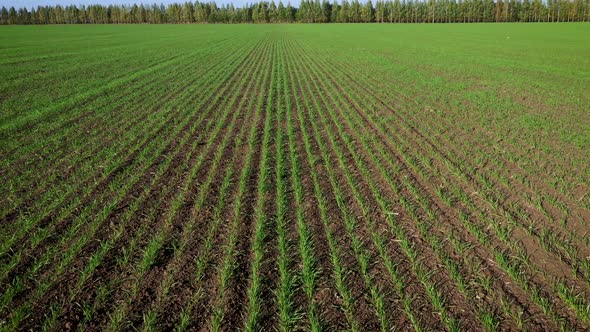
(295, 177)
(309, 11)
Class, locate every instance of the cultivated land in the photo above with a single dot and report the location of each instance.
(337, 177)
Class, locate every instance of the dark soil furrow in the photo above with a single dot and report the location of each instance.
(73, 162)
(178, 158)
(430, 194)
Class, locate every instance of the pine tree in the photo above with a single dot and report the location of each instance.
(12, 16)
(3, 15)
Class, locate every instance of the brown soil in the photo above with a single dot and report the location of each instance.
(377, 160)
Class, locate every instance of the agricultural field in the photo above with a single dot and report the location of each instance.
(295, 177)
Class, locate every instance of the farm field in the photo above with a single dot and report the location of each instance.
(295, 177)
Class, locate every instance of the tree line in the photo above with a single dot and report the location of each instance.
(309, 11)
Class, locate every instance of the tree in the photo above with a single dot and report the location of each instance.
(576, 10)
(212, 12)
(200, 13)
(562, 10)
(173, 13)
(290, 13)
(272, 12)
(488, 11)
(514, 11)
(344, 12)
(334, 13)
(551, 10)
(281, 13)
(389, 11)
(432, 10)
(396, 11)
(326, 12)
(367, 12)
(12, 16)
(498, 11)
(261, 12)
(186, 13)
(379, 11)
(525, 10)
(4, 15)
(312, 11)
(23, 16)
(355, 12)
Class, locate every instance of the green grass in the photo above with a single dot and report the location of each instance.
(295, 177)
